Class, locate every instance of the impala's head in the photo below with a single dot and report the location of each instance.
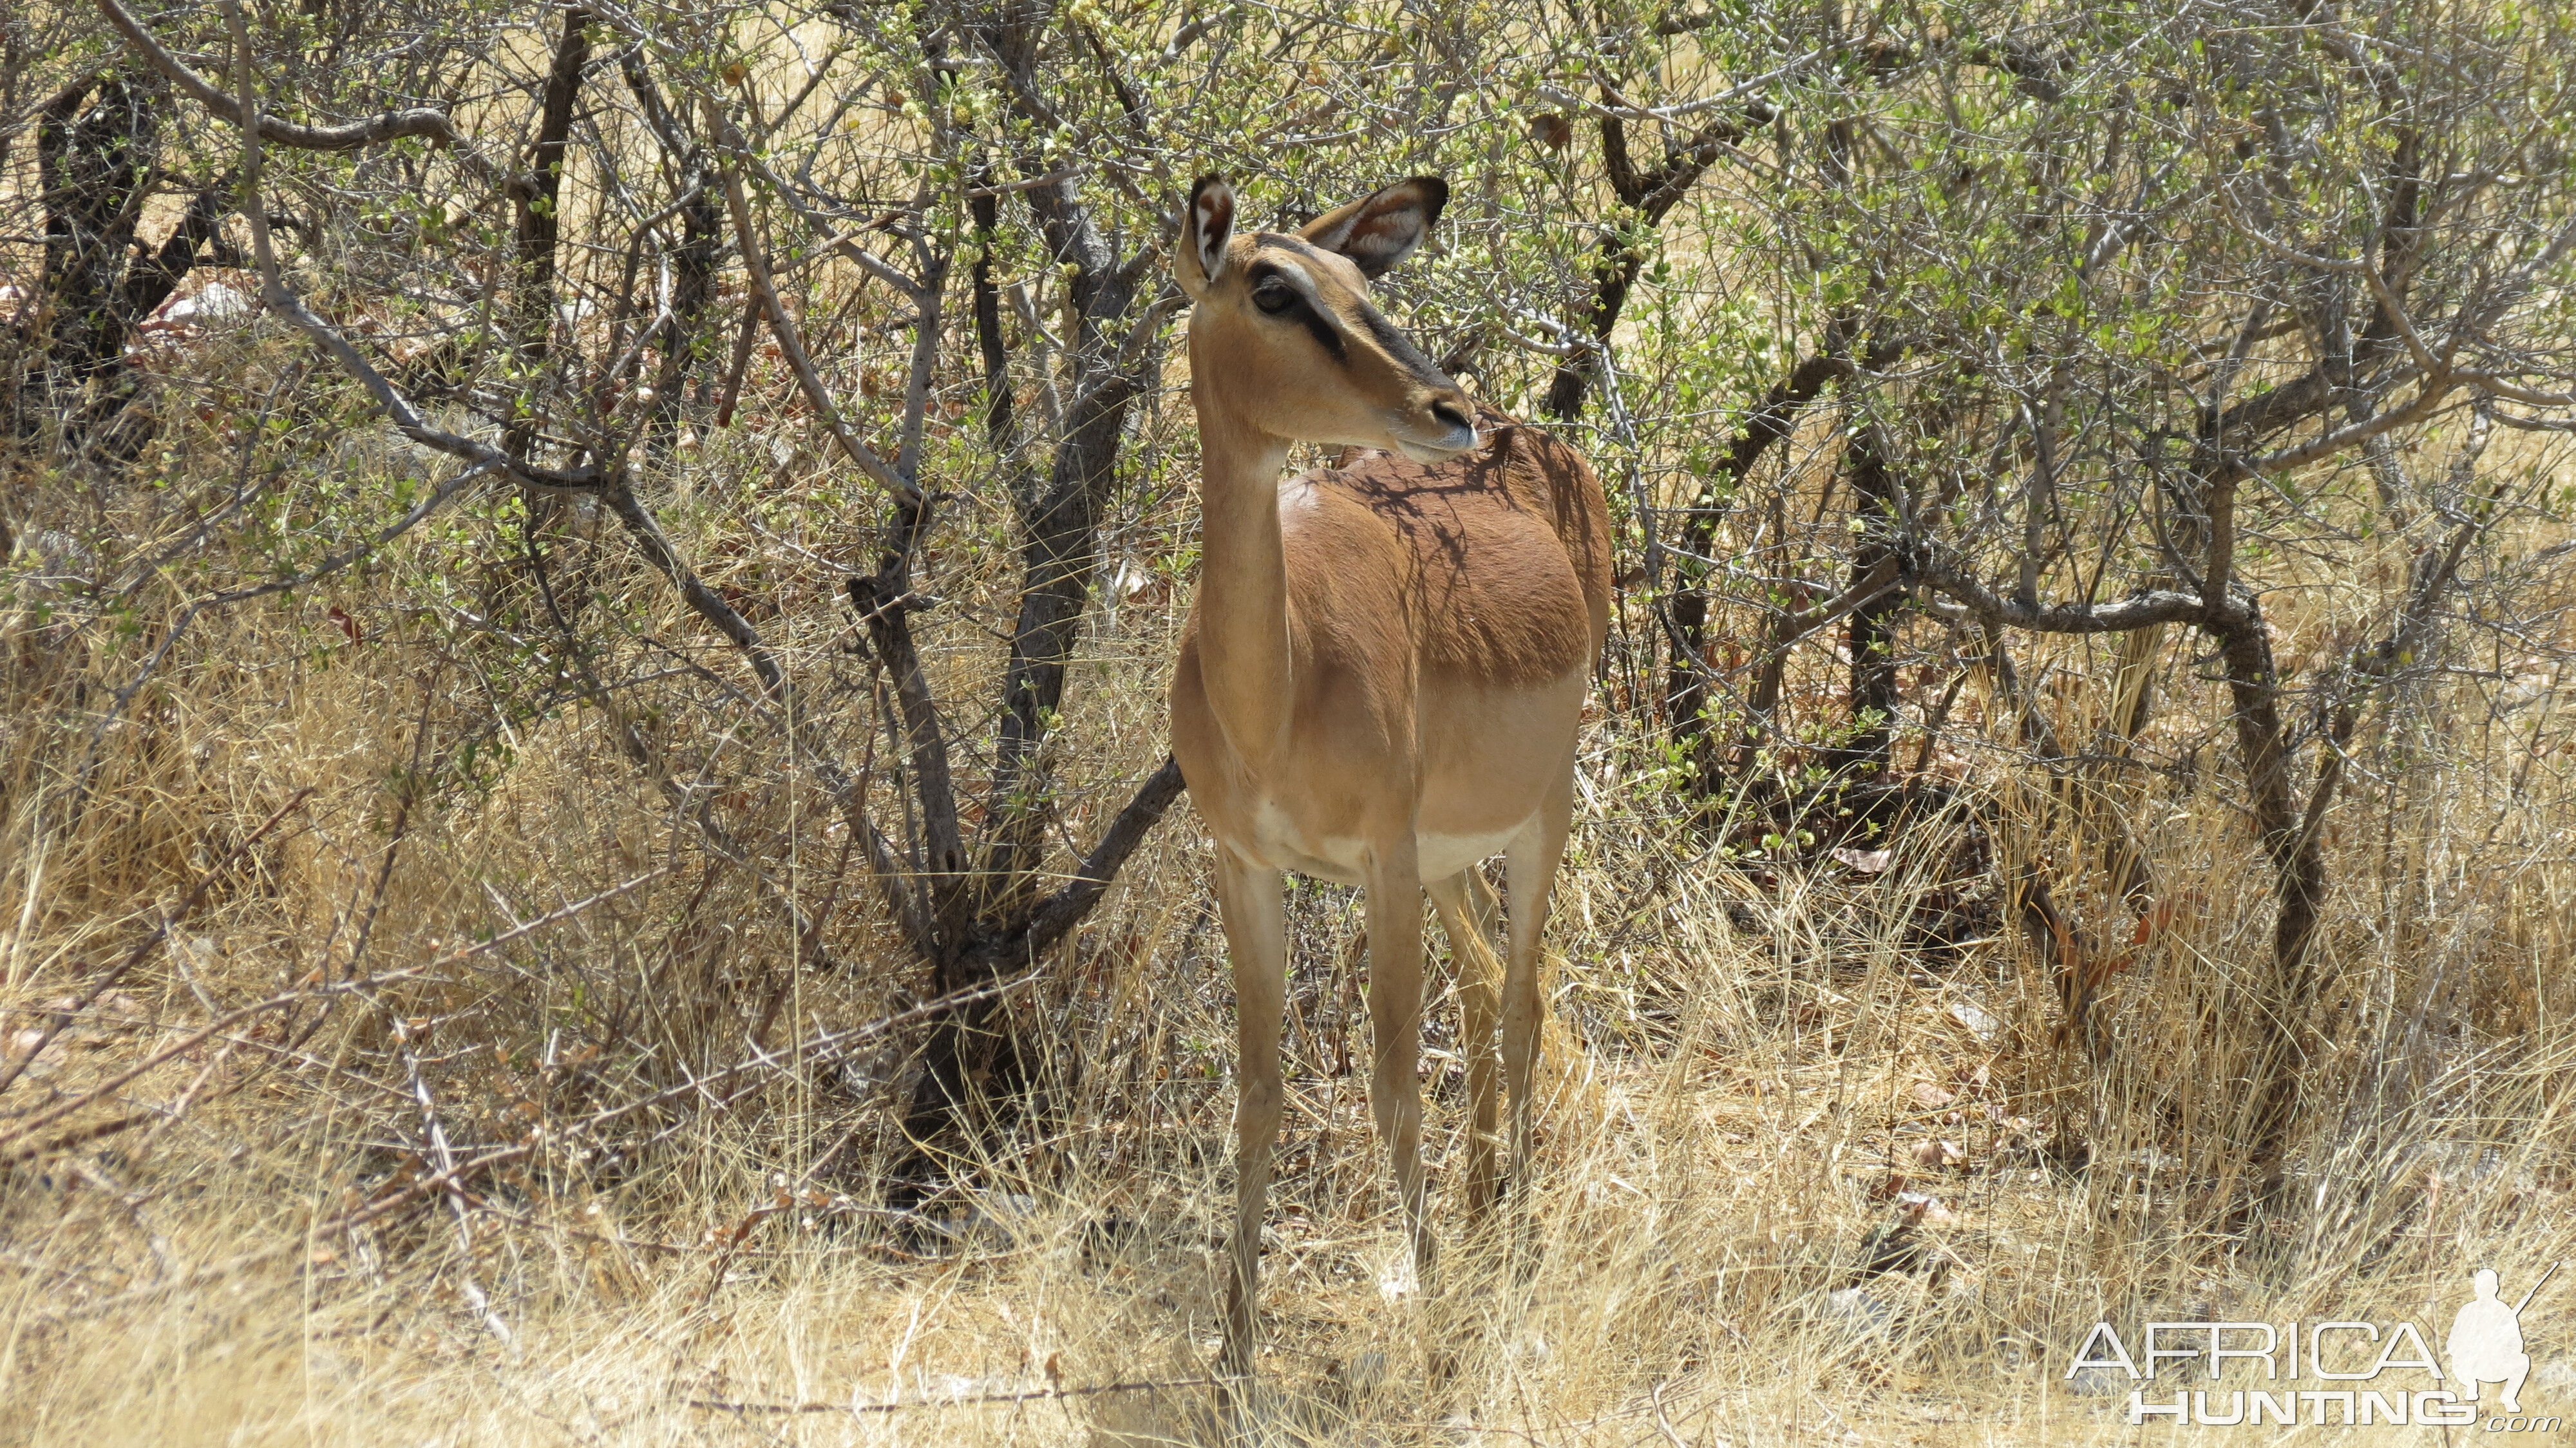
(1283, 339)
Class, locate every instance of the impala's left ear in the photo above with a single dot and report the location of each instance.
(1384, 227)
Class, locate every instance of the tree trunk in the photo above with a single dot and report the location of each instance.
(1614, 274)
(996, 925)
(1686, 677)
(693, 263)
(2284, 1021)
(94, 166)
(1061, 558)
(1871, 632)
(537, 197)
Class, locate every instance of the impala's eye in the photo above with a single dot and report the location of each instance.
(1274, 297)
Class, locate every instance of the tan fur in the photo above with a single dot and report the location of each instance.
(1530, 510)
(1383, 675)
(1435, 614)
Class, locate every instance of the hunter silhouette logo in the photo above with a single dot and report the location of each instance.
(2485, 1345)
(2365, 1372)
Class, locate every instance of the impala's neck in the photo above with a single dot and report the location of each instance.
(1243, 584)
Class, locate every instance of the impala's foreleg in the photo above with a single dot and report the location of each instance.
(1466, 905)
(1395, 1016)
(1256, 937)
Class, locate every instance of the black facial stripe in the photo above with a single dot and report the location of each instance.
(1327, 335)
(1303, 309)
(1399, 346)
(1396, 344)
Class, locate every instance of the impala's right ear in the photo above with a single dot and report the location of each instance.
(1206, 229)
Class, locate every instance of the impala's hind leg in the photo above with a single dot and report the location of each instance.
(1530, 869)
(1256, 936)
(1395, 1018)
(1466, 906)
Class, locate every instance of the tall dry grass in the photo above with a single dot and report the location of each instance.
(555, 1130)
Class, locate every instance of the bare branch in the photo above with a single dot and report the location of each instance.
(790, 344)
(1977, 601)
(375, 130)
(283, 301)
(1064, 909)
(1624, 109)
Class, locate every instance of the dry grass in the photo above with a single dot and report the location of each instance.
(1772, 1059)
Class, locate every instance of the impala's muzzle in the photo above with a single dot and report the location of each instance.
(1437, 422)
(1439, 425)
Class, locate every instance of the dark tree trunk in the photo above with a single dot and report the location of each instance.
(100, 282)
(992, 925)
(155, 275)
(115, 432)
(1871, 629)
(973, 1063)
(1686, 679)
(1059, 564)
(1649, 196)
(2285, 1022)
(1614, 275)
(693, 289)
(990, 347)
(537, 199)
(1061, 559)
(693, 263)
(95, 166)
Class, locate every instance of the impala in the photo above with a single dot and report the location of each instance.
(1383, 674)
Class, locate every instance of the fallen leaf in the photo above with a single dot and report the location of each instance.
(1929, 1095)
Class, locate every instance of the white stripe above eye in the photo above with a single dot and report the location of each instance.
(1288, 268)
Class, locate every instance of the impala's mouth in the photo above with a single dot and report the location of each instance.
(1463, 440)
(1450, 428)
